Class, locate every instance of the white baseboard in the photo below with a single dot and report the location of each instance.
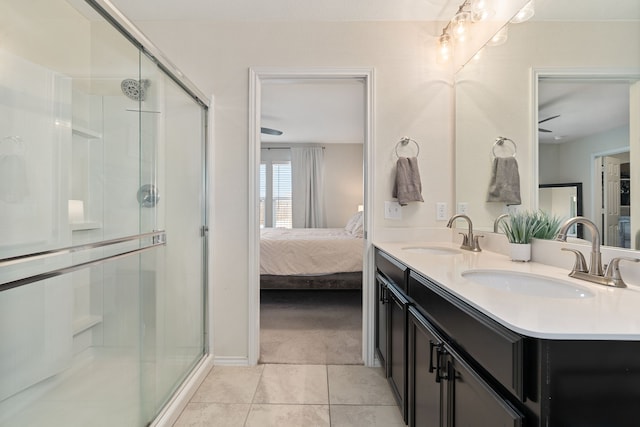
(231, 361)
(172, 410)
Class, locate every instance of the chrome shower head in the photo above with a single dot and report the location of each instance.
(135, 89)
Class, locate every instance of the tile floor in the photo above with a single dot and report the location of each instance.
(291, 396)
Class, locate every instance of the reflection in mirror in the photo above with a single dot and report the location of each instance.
(497, 95)
(583, 137)
(563, 200)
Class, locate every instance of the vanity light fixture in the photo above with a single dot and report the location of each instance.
(500, 37)
(457, 29)
(444, 46)
(526, 13)
(480, 10)
(460, 24)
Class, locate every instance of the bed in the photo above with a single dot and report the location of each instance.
(312, 258)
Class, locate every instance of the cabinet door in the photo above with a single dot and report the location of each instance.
(381, 322)
(397, 353)
(424, 368)
(471, 399)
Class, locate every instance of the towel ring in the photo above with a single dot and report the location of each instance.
(500, 142)
(404, 141)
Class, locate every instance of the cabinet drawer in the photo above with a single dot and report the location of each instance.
(392, 269)
(496, 349)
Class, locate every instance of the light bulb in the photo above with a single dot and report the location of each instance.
(480, 10)
(444, 47)
(460, 25)
(478, 55)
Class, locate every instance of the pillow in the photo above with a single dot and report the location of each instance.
(355, 225)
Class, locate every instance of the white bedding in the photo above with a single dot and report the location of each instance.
(309, 251)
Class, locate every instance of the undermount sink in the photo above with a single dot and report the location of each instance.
(434, 250)
(527, 284)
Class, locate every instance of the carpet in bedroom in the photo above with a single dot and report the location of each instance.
(311, 327)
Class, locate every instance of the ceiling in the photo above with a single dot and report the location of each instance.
(357, 10)
(288, 10)
(314, 110)
(584, 108)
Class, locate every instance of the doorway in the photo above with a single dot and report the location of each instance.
(260, 79)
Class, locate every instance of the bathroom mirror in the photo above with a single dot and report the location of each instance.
(497, 95)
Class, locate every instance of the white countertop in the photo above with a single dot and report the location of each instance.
(610, 314)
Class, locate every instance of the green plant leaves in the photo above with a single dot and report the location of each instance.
(522, 226)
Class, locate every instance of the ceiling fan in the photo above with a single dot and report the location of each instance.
(545, 120)
(269, 131)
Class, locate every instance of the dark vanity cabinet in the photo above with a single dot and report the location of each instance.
(382, 300)
(397, 336)
(450, 365)
(391, 324)
(444, 390)
(425, 371)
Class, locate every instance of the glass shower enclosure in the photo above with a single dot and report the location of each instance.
(102, 220)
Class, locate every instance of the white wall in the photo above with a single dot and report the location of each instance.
(412, 97)
(343, 182)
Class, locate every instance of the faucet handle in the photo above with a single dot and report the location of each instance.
(465, 239)
(476, 243)
(580, 263)
(613, 271)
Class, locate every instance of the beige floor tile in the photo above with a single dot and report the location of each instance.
(293, 384)
(288, 416)
(229, 384)
(213, 415)
(358, 385)
(365, 416)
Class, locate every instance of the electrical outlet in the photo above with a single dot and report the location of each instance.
(441, 211)
(463, 208)
(392, 210)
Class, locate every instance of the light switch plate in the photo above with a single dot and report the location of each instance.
(441, 211)
(392, 210)
(463, 208)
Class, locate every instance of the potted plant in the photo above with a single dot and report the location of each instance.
(520, 228)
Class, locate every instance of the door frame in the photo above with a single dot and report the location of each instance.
(257, 75)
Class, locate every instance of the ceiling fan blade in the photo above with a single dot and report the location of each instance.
(269, 131)
(549, 118)
(544, 130)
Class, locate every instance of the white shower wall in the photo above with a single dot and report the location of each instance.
(35, 118)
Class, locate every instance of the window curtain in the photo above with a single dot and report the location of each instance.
(307, 174)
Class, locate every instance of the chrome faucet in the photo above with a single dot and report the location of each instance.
(469, 241)
(593, 272)
(497, 221)
(595, 263)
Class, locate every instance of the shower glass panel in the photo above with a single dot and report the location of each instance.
(102, 213)
(172, 134)
(99, 386)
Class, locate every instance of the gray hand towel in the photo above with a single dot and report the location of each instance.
(407, 186)
(505, 181)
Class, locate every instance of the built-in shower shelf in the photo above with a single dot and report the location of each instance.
(85, 132)
(81, 226)
(84, 323)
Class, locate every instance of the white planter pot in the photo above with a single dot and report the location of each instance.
(520, 251)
